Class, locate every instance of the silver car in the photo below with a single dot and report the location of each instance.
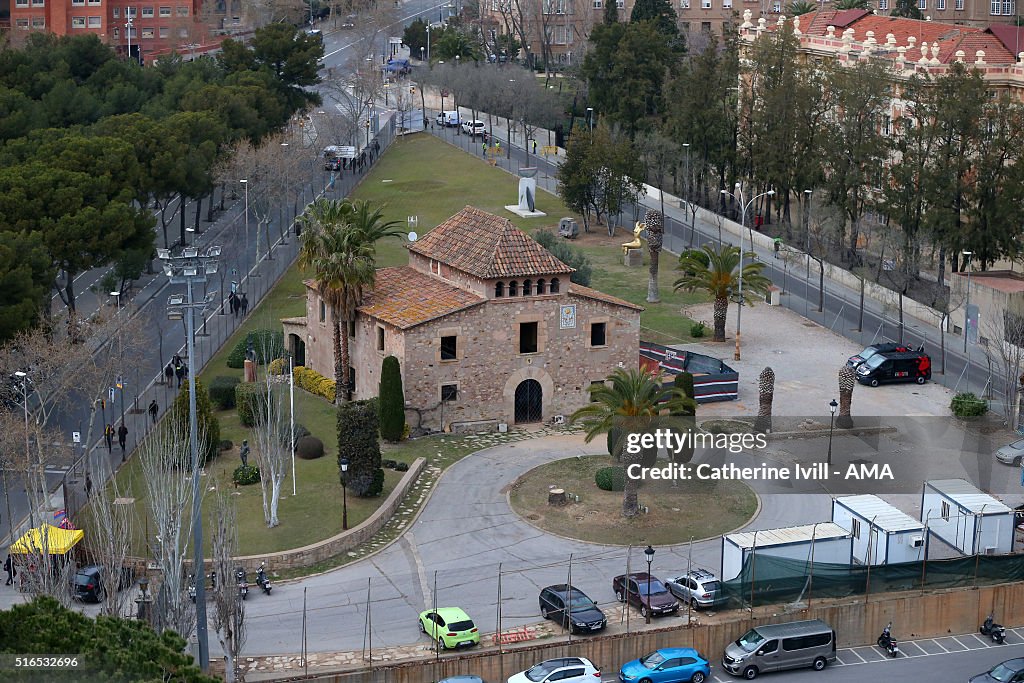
(1011, 453)
(699, 587)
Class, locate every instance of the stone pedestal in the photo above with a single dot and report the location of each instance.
(250, 371)
(634, 257)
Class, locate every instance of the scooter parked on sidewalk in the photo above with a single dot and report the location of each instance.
(997, 632)
(261, 578)
(242, 581)
(887, 642)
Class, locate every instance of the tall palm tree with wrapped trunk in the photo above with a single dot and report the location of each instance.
(338, 243)
(717, 273)
(847, 380)
(654, 221)
(766, 396)
(630, 400)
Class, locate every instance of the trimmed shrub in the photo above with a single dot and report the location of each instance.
(966, 404)
(401, 467)
(388, 464)
(309, 448)
(611, 478)
(358, 441)
(222, 391)
(245, 475)
(313, 382)
(392, 400)
(697, 330)
(300, 431)
(249, 397)
(266, 344)
(226, 444)
(278, 366)
(567, 254)
(209, 427)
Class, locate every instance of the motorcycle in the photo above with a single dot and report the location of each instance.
(887, 642)
(997, 632)
(261, 578)
(243, 582)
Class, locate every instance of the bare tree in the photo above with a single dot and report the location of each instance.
(228, 605)
(1005, 352)
(43, 573)
(166, 461)
(109, 544)
(271, 438)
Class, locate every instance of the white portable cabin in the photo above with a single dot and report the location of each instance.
(882, 534)
(831, 544)
(971, 521)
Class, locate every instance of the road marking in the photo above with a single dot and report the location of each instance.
(960, 643)
(980, 640)
(854, 653)
(923, 651)
(940, 645)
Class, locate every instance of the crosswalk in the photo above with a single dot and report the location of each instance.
(870, 654)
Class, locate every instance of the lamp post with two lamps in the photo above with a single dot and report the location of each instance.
(23, 379)
(743, 224)
(344, 493)
(649, 553)
(832, 405)
(188, 268)
(967, 316)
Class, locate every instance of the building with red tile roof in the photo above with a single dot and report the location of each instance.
(486, 325)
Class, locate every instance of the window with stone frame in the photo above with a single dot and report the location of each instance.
(499, 290)
(450, 347)
(527, 287)
(380, 338)
(540, 286)
(554, 285)
(323, 311)
(352, 379)
(595, 383)
(528, 342)
(513, 288)
(599, 334)
(449, 392)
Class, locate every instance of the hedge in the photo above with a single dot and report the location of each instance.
(610, 478)
(249, 396)
(278, 366)
(313, 382)
(222, 391)
(358, 430)
(266, 344)
(966, 404)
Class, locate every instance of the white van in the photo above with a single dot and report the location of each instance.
(448, 119)
(775, 647)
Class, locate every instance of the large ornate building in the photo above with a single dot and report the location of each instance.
(486, 325)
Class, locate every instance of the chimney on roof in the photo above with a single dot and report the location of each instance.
(980, 61)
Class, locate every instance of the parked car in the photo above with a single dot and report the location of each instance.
(888, 347)
(1011, 453)
(777, 647)
(567, 669)
(349, 21)
(450, 627)
(89, 583)
(474, 128)
(699, 587)
(448, 119)
(571, 608)
(1010, 671)
(668, 665)
(464, 678)
(896, 366)
(646, 592)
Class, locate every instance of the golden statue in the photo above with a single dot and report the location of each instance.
(635, 244)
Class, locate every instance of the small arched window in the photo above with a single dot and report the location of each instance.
(554, 285)
(499, 289)
(540, 286)
(527, 287)
(513, 288)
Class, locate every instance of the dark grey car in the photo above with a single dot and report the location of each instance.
(1010, 671)
(570, 607)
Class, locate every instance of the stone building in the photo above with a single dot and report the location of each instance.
(486, 325)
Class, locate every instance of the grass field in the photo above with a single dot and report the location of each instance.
(424, 177)
(675, 514)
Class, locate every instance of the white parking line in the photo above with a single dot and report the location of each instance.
(960, 643)
(854, 653)
(933, 640)
(975, 635)
(911, 642)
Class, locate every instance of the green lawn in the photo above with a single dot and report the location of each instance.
(431, 180)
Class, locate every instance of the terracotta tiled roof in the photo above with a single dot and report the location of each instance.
(970, 43)
(1012, 37)
(487, 246)
(816, 23)
(588, 293)
(404, 297)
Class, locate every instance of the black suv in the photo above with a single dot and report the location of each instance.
(571, 608)
(888, 347)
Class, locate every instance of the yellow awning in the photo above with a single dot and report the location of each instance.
(57, 541)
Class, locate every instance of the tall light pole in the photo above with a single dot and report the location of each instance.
(428, 43)
(967, 317)
(245, 182)
(743, 224)
(23, 377)
(188, 268)
(649, 552)
(344, 493)
(832, 405)
(120, 362)
(807, 222)
(128, 30)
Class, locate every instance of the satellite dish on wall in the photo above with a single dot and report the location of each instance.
(413, 236)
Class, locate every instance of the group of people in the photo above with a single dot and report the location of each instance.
(177, 368)
(238, 304)
(122, 437)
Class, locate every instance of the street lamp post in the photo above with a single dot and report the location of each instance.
(743, 224)
(188, 268)
(428, 43)
(967, 317)
(807, 223)
(128, 30)
(832, 405)
(367, 132)
(344, 493)
(23, 376)
(245, 182)
(590, 122)
(649, 552)
(120, 363)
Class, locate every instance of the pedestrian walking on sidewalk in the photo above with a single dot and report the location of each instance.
(122, 439)
(88, 486)
(535, 148)
(233, 301)
(108, 435)
(168, 373)
(244, 304)
(179, 372)
(483, 148)
(9, 568)
(153, 410)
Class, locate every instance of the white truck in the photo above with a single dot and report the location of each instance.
(448, 119)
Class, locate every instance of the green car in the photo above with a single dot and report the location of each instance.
(450, 627)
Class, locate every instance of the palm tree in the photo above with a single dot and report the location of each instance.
(847, 381)
(630, 400)
(717, 273)
(338, 245)
(654, 221)
(798, 7)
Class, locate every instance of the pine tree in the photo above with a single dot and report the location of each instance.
(658, 11)
(391, 401)
(358, 442)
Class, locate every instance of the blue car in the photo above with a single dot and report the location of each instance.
(668, 665)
